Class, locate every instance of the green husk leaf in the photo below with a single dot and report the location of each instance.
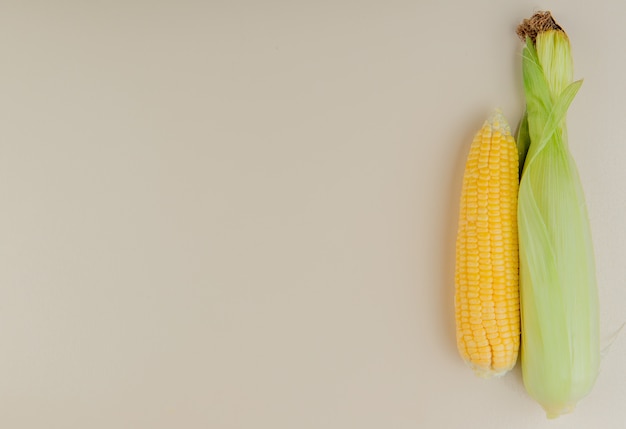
(559, 302)
(523, 142)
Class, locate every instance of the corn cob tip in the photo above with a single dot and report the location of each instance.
(488, 373)
(538, 23)
(498, 122)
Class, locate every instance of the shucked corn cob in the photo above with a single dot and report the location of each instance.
(486, 296)
(559, 300)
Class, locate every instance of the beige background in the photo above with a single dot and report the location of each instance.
(242, 214)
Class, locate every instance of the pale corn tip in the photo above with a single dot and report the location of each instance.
(497, 122)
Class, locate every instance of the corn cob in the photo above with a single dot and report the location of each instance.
(486, 277)
(559, 302)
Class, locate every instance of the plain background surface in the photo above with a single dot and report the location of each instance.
(242, 214)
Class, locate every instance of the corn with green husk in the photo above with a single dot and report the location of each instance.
(560, 352)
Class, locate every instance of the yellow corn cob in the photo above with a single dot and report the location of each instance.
(487, 294)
